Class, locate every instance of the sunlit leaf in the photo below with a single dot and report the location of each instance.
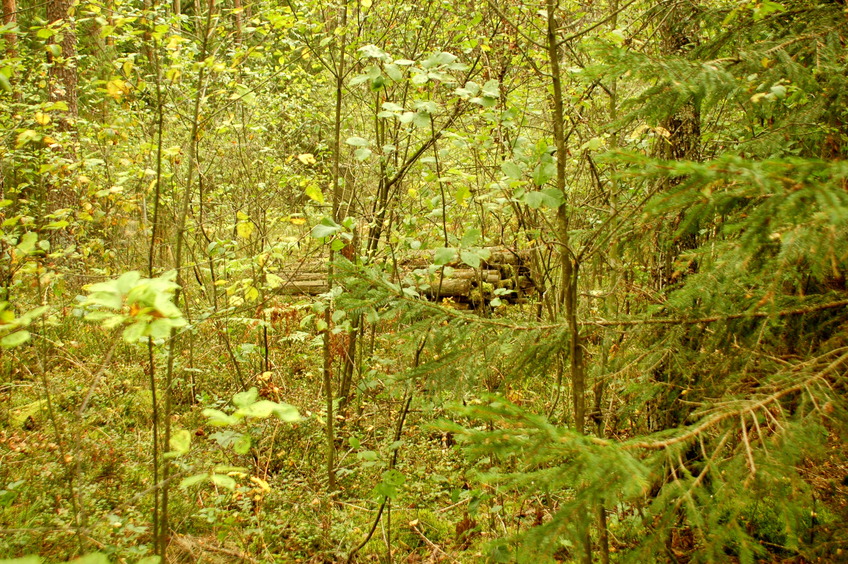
(243, 399)
(223, 481)
(193, 480)
(15, 339)
(443, 256)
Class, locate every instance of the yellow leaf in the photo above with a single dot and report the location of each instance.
(314, 193)
(307, 158)
(297, 220)
(263, 485)
(116, 88)
(273, 281)
(244, 229)
(252, 294)
(42, 118)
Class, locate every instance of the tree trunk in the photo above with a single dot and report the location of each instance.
(570, 266)
(684, 137)
(10, 16)
(63, 70)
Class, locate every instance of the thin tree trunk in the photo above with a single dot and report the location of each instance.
(237, 19)
(328, 353)
(570, 267)
(164, 530)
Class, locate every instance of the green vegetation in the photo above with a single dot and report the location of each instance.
(406, 282)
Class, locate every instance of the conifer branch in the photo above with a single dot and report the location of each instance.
(746, 406)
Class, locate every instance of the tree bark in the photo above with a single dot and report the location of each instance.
(10, 16)
(63, 70)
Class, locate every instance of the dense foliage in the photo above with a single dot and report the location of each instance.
(506, 281)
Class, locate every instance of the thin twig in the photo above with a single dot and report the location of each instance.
(748, 452)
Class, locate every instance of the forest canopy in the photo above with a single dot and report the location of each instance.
(500, 281)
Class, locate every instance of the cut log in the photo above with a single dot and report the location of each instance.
(503, 269)
(306, 287)
(451, 288)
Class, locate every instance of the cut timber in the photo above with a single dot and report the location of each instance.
(307, 287)
(451, 288)
(504, 269)
(497, 256)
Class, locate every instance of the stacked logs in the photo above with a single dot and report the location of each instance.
(503, 269)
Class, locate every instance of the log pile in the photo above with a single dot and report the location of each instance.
(503, 269)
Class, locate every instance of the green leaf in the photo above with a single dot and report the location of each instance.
(512, 170)
(359, 79)
(15, 339)
(543, 172)
(223, 481)
(420, 79)
(4, 83)
(394, 72)
(194, 480)
(443, 256)
(27, 243)
(394, 477)
(150, 560)
(549, 198)
(362, 153)
(159, 329)
(287, 413)
(484, 101)
(438, 59)
(392, 107)
(219, 418)
(242, 444)
(357, 141)
(244, 399)
(374, 52)
(180, 442)
(134, 332)
(23, 560)
(471, 258)
(93, 558)
(763, 9)
(421, 119)
(259, 410)
(463, 192)
(326, 228)
(471, 237)
(125, 282)
(492, 89)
